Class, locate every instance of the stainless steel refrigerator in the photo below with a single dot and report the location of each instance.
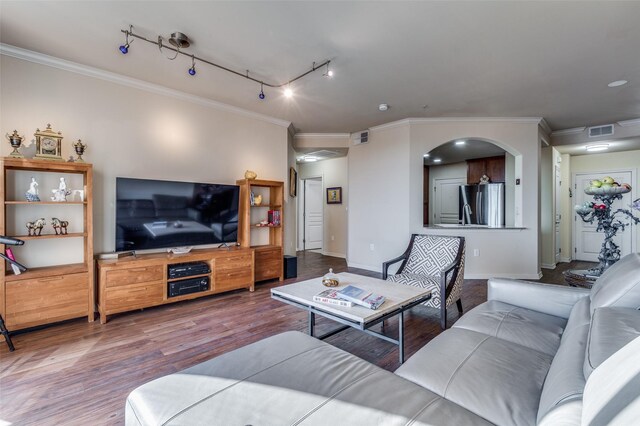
(482, 205)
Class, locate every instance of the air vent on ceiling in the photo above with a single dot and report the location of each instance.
(360, 137)
(598, 131)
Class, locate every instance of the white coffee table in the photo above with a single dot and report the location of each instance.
(399, 298)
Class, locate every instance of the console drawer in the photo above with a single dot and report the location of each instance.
(133, 296)
(44, 300)
(140, 274)
(234, 261)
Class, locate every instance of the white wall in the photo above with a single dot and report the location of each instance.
(385, 182)
(136, 133)
(380, 197)
(549, 157)
(566, 222)
(334, 172)
(628, 160)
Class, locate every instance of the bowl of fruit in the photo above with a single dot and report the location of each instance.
(606, 186)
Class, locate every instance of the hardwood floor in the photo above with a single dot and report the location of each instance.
(79, 373)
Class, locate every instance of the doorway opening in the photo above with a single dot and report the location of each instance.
(311, 215)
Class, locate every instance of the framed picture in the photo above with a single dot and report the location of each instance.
(334, 195)
(293, 182)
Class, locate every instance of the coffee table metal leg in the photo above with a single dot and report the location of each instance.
(401, 336)
(312, 323)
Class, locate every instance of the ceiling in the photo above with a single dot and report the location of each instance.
(500, 59)
(615, 145)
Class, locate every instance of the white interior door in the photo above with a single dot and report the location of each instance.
(587, 241)
(556, 209)
(447, 196)
(313, 202)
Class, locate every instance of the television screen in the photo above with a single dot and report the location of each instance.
(154, 214)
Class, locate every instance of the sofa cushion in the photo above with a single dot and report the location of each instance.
(289, 378)
(493, 378)
(563, 387)
(611, 329)
(612, 392)
(619, 285)
(525, 327)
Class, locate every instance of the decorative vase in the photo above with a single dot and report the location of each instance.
(16, 141)
(79, 148)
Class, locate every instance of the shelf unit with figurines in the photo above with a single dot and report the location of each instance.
(261, 225)
(58, 241)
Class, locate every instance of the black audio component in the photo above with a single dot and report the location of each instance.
(187, 269)
(188, 286)
(290, 267)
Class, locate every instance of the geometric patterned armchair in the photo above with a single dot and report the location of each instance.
(435, 262)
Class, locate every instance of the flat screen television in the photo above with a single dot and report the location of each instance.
(152, 214)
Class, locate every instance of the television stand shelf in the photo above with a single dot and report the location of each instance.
(140, 282)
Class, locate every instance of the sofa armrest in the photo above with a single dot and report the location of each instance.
(550, 299)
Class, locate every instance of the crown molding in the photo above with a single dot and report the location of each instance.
(536, 120)
(51, 61)
(322, 135)
(572, 131)
(545, 126)
(629, 123)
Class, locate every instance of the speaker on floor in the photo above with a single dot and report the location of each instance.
(290, 266)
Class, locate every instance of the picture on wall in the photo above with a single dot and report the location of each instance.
(293, 182)
(334, 195)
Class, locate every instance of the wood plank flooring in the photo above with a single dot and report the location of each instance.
(79, 373)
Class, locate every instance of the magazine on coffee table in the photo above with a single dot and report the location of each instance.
(361, 297)
(332, 297)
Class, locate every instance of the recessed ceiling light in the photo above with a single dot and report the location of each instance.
(437, 160)
(383, 107)
(460, 142)
(598, 147)
(617, 83)
(426, 156)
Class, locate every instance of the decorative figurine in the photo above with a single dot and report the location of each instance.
(61, 193)
(252, 198)
(35, 227)
(15, 140)
(80, 148)
(32, 193)
(484, 179)
(59, 226)
(71, 159)
(257, 200)
(331, 279)
(250, 175)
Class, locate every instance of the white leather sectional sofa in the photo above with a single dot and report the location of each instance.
(532, 354)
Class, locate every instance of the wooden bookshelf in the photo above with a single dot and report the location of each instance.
(48, 294)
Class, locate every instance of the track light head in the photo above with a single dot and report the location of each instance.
(328, 73)
(261, 95)
(124, 49)
(192, 70)
(288, 93)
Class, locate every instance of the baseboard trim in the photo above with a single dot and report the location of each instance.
(362, 266)
(503, 275)
(549, 265)
(332, 254)
(565, 260)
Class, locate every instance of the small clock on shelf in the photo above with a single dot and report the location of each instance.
(48, 144)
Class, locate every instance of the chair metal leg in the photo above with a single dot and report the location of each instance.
(6, 334)
(443, 318)
(459, 303)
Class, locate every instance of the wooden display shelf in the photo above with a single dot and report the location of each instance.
(264, 247)
(45, 165)
(170, 280)
(49, 236)
(271, 206)
(47, 271)
(257, 225)
(35, 203)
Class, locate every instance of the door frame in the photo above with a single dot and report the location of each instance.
(633, 228)
(302, 201)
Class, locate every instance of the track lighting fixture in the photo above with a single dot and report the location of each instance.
(192, 70)
(124, 49)
(179, 41)
(328, 72)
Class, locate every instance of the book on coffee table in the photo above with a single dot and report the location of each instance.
(331, 297)
(361, 297)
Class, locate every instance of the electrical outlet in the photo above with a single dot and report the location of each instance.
(333, 238)
(476, 252)
(372, 247)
